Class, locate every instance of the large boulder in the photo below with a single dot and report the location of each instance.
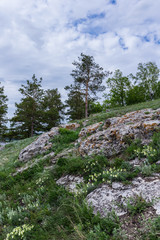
(118, 131)
(40, 145)
(106, 198)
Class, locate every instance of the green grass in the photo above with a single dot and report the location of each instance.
(64, 140)
(137, 205)
(9, 155)
(119, 111)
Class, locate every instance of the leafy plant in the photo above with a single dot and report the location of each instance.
(136, 205)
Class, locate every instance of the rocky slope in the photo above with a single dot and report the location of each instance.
(109, 138)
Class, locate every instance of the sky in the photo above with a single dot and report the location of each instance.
(44, 37)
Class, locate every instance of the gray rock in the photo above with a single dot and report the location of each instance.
(40, 145)
(114, 139)
(106, 198)
(90, 129)
(70, 182)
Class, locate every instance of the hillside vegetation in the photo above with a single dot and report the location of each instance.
(34, 206)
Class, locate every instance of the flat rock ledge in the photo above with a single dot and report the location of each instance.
(107, 198)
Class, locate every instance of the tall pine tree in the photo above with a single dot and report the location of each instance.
(89, 75)
(75, 103)
(52, 109)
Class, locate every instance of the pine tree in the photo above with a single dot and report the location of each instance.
(75, 102)
(3, 111)
(89, 75)
(52, 109)
(28, 112)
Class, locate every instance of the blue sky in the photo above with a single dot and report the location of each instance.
(44, 37)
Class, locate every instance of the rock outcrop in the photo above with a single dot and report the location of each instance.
(106, 198)
(42, 143)
(108, 138)
(70, 126)
(117, 131)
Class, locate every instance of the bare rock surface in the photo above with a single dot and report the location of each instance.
(70, 126)
(70, 182)
(113, 140)
(106, 198)
(40, 145)
(90, 129)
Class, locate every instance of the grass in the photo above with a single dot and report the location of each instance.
(64, 140)
(33, 202)
(119, 111)
(137, 205)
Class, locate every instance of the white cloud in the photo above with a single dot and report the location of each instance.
(45, 36)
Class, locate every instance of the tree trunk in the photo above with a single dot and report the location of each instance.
(32, 127)
(86, 101)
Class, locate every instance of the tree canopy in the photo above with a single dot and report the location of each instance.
(89, 75)
(52, 109)
(75, 103)
(27, 117)
(118, 85)
(147, 77)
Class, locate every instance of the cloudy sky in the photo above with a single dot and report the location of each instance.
(44, 37)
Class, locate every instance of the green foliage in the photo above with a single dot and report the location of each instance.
(137, 205)
(117, 162)
(75, 103)
(132, 148)
(27, 119)
(95, 164)
(151, 151)
(155, 144)
(52, 109)
(105, 231)
(146, 170)
(98, 170)
(151, 229)
(135, 94)
(72, 165)
(89, 76)
(147, 77)
(118, 86)
(65, 139)
(95, 107)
